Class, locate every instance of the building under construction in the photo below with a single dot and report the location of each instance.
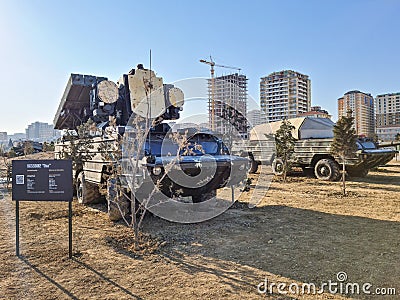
(227, 103)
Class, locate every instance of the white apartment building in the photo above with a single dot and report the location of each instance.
(41, 132)
(387, 116)
(285, 94)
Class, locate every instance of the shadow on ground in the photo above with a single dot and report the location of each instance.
(299, 244)
(56, 284)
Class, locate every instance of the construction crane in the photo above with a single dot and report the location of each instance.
(212, 65)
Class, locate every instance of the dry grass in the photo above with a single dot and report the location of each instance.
(302, 231)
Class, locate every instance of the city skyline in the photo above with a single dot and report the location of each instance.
(36, 131)
(202, 118)
(339, 44)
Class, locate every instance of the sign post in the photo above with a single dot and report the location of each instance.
(17, 227)
(70, 229)
(42, 180)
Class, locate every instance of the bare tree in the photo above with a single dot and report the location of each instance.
(11, 153)
(47, 147)
(131, 160)
(28, 148)
(78, 146)
(7, 164)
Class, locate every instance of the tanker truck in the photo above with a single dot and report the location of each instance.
(111, 107)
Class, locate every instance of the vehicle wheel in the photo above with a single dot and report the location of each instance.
(277, 166)
(204, 197)
(117, 203)
(86, 192)
(358, 173)
(327, 169)
(253, 166)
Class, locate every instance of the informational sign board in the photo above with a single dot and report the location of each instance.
(42, 180)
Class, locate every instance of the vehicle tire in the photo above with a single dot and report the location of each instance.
(277, 166)
(358, 173)
(204, 197)
(327, 169)
(86, 192)
(253, 166)
(117, 203)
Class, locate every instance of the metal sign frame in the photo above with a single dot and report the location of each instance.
(42, 180)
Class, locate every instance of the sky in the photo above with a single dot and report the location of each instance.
(341, 45)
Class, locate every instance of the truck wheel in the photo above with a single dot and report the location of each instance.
(358, 173)
(117, 204)
(204, 197)
(253, 166)
(86, 192)
(277, 166)
(327, 169)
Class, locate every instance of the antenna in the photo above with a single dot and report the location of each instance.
(149, 122)
(151, 86)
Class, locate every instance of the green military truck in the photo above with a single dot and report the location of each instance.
(312, 150)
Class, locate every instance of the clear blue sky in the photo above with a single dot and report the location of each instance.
(341, 45)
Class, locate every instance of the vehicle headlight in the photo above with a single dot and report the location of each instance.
(156, 171)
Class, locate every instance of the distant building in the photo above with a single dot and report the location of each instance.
(183, 126)
(316, 112)
(17, 137)
(362, 105)
(256, 117)
(387, 116)
(41, 132)
(284, 95)
(230, 104)
(3, 136)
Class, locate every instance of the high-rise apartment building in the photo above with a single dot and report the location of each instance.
(41, 132)
(362, 105)
(285, 95)
(227, 102)
(387, 116)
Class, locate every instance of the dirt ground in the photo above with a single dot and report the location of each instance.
(301, 232)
